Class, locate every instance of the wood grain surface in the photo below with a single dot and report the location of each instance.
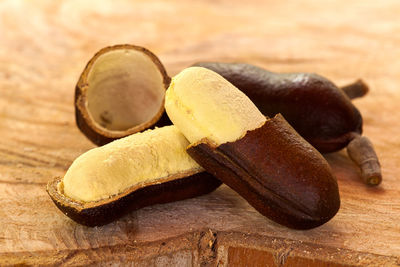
(44, 46)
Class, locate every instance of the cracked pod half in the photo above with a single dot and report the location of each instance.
(319, 111)
(140, 170)
(265, 160)
(120, 92)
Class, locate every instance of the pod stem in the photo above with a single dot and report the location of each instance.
(356, 89)
(362, 152)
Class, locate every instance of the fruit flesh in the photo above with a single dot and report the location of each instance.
(202, 104)
(134, 160)
(125, 89)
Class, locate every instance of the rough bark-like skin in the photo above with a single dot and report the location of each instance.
(99, 135)
(277, 172)
(318, 110)
(105, 211)
(362, 152)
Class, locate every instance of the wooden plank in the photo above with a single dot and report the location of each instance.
(44, 47)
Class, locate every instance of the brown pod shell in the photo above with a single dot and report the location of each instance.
(97, 213)
(319, 111)
(277, 172)
(120, 85)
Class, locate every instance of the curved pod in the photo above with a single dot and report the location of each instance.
(179, 187)
(277, 172)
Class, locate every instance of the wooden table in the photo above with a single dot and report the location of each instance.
(44, 46)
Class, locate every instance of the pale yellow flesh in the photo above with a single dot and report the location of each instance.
(143, 157)
(125, 89)
(202, 104)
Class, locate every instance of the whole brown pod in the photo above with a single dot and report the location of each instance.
(318, 110)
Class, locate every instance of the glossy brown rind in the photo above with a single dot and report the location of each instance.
(277, 172)
(99, 135)
(319, 111)
(105, 211)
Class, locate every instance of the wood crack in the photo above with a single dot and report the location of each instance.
(281, 256)
(207, 248)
